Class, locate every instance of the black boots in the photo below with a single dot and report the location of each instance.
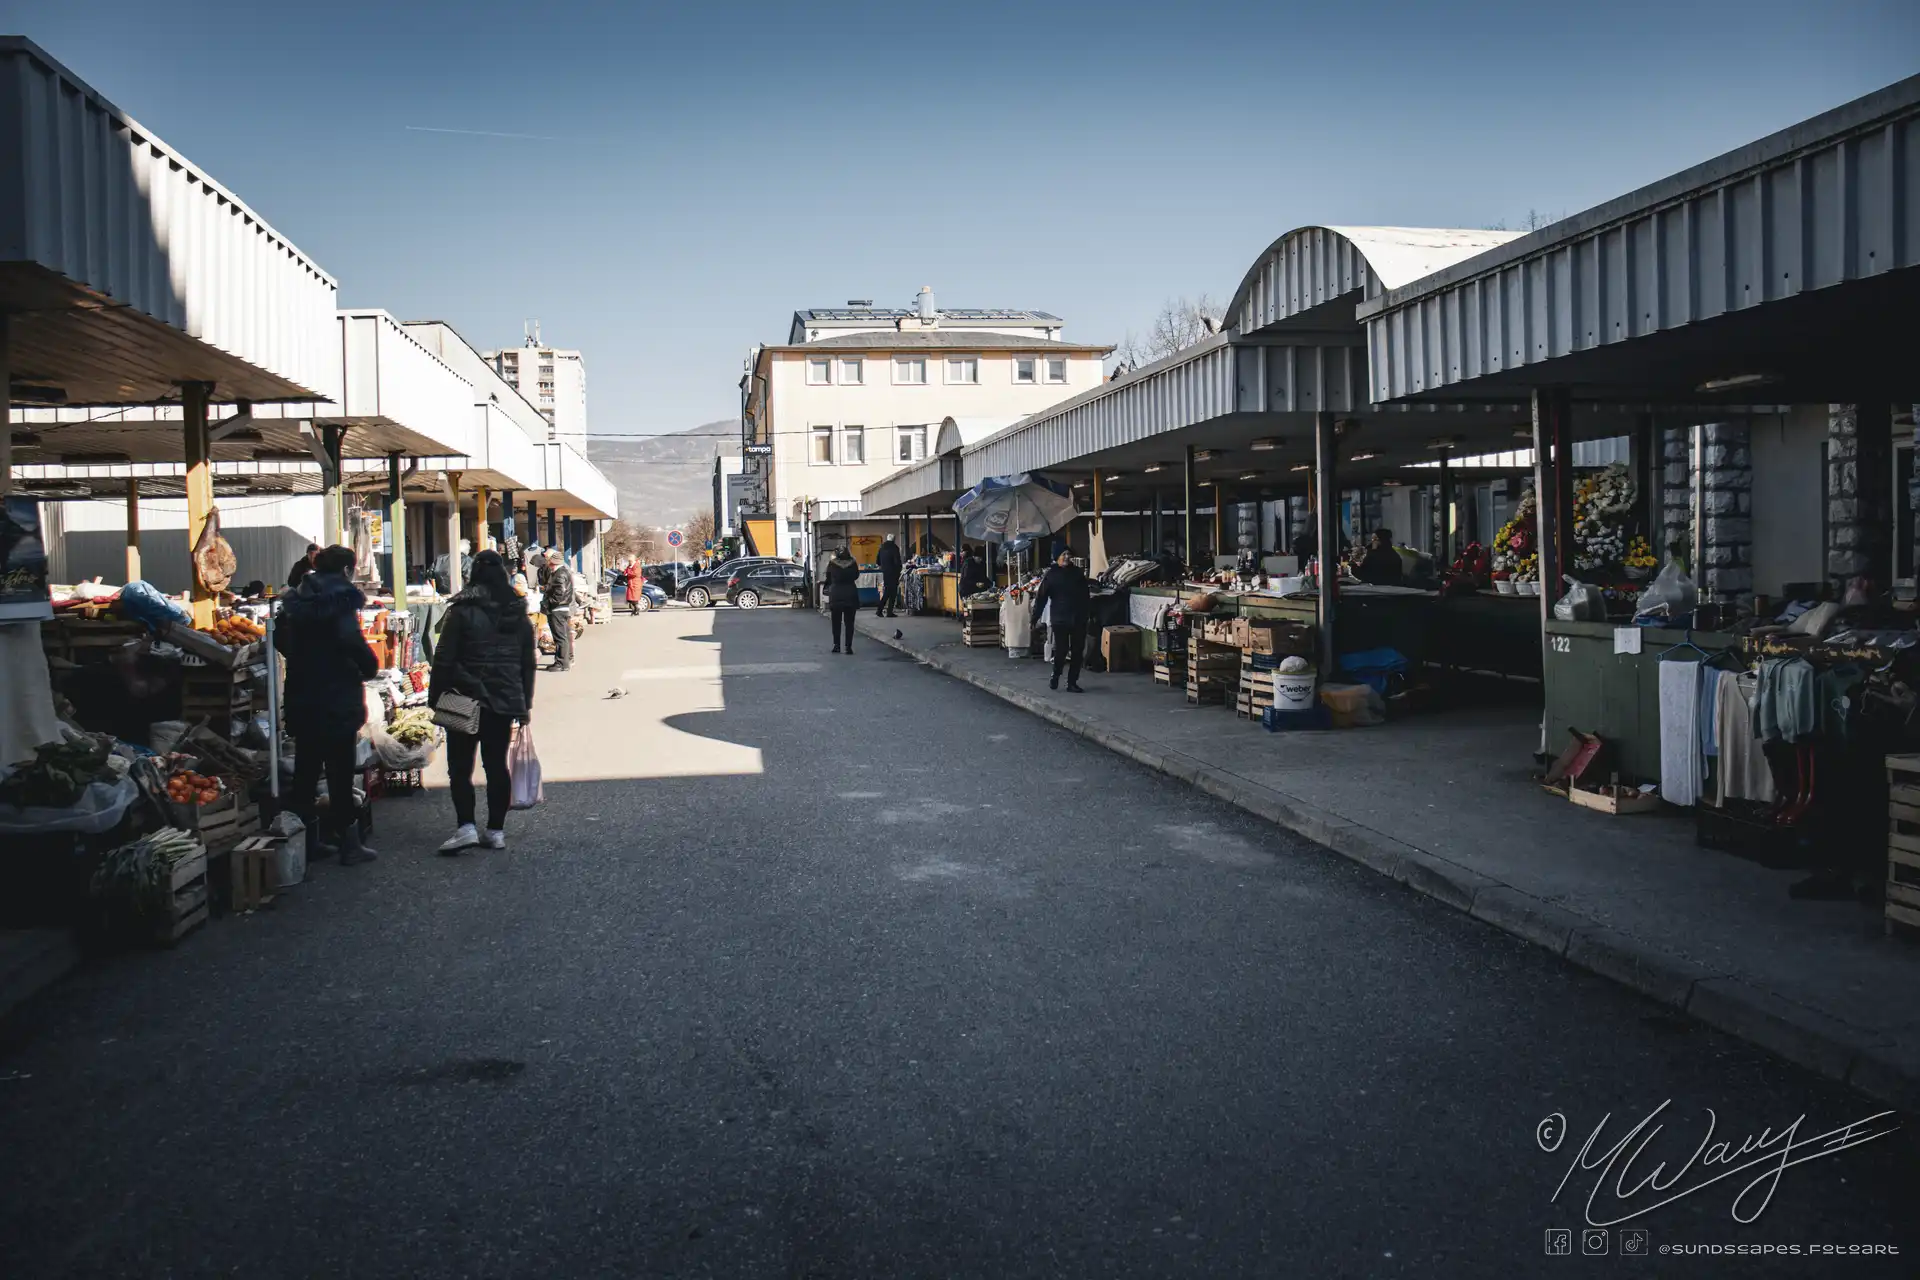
(317, 849)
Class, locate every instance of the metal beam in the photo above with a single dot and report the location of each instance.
(1186, 550)
(1327, 514)
(397, 529)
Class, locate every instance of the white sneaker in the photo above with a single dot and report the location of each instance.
(496, 839)
(464, 837)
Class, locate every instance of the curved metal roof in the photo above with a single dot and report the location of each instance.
(1311, 267)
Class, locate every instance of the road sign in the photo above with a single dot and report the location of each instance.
(675, 538)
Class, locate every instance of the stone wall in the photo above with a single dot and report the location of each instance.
(1676, 495)
(1726, 513)
(1859, 494)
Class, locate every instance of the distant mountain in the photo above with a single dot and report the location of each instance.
(662, 480)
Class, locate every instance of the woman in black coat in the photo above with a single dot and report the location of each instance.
(328, 664)
(842, 583)
(485, 652)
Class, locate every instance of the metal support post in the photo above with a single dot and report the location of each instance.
(1186, 549)
(1446, 512)
(1327, 534)
(396, 531)
(450, 480)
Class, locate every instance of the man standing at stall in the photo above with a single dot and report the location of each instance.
(1065, 598)
(559, 603)
(890, 565)
(302, 567)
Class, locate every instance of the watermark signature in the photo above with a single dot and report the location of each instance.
(1626, 1188)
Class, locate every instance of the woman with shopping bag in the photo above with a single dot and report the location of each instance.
(482, 686)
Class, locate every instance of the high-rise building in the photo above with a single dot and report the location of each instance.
(552, 380)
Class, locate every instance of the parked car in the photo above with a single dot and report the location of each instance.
(703, 589)
(756, 584)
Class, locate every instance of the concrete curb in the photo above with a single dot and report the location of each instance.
(1803, 1036)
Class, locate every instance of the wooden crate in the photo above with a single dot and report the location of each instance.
(1626, 801)
(219, 825)
(188, 909)
(1903, 847)
(84, 640)
(254, 868)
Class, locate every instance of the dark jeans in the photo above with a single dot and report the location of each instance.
(335, 754)
(843, 617)
(560, 622)
(890, 593)
(1069, 649)
(496, 731)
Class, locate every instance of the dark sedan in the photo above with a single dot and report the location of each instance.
(758, 584)
(703, 589)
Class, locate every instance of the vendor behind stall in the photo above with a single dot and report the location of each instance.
(1381, 565)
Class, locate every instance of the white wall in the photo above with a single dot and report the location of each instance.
(1789, 498)
(879, 406)
(89, 539)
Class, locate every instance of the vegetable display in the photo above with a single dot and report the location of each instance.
(59, 773)
(188, 787)
(141, 872)
(235, 631)
(413, 726)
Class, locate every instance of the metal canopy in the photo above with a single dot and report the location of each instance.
(1783, 272)
(1312, 277)
(125, 270)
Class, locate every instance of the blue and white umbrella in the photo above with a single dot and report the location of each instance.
(1004, 509)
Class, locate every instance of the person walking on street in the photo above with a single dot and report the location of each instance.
(485, 652)
(328, 663)
(842, 581)
(890, 566)
(559, 602)
(1065, 595)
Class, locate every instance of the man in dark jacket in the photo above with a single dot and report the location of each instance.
(890, 566)
(842, 584)
(973, 573)
(302, 567)
(1382, 565)
(328, 663)
(557, 602)
(1064, 594)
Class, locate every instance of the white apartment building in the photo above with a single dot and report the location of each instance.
(553, 381)
(857, 392)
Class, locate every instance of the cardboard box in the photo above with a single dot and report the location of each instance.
(1279, 637)
(1121, 647)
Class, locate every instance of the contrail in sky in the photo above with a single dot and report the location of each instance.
(480, 133)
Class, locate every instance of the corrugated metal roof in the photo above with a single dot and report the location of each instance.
(1832, 201)
(94, 209)
(1312, 266)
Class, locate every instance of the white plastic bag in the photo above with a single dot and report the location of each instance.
(1582, 603)
(1671, 593)
(523, 769)
(99, 808)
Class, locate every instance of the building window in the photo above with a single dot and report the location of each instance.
(963, 370)
(546, 371)
(853, 372)
(1025, 369)
(822, 447)
(819, 372)
(1056, 369)
(911, 444)
(910, 371)
(853, 447)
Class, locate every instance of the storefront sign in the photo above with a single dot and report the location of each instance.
(758, 450)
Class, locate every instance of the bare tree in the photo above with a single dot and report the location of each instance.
(620, 541)
(699, 529)
(1178, 324)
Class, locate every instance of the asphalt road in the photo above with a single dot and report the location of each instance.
(817, 966)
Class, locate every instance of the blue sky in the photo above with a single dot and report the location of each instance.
(700, 172)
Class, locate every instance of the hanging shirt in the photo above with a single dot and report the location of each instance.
(1784, 709)
(1680, 732)
(1743, 765)
(1709, 701)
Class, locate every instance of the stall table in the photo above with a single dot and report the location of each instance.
(1591, 688)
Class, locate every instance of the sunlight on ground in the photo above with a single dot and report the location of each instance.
(582, 735)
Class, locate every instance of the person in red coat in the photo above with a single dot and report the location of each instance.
(636, 578)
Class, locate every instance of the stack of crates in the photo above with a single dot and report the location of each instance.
(980, 624)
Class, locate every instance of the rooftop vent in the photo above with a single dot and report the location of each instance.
(859, 302)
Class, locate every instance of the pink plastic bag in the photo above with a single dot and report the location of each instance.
(523, 769)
